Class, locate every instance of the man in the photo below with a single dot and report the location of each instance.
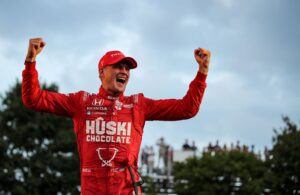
(109, 125)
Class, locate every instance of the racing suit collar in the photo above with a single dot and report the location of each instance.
(106, 95)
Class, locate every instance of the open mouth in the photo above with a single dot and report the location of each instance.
(121, 80)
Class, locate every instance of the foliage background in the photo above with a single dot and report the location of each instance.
(37, 150)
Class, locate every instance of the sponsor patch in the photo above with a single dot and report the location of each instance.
(100, 130)
(91, 108)
(98, 102)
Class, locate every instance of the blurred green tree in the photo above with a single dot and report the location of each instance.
(222, 172)
(37, 150)
(284, 159)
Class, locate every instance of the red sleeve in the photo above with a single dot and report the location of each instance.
(42, 100)
(177, 109)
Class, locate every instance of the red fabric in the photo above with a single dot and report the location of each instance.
(115, 56)
(109, 129)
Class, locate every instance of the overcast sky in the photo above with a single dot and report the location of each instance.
(252, 82)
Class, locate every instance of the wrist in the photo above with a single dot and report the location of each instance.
(30, 59)
(203, 71)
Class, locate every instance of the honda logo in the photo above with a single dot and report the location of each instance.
(97, 102)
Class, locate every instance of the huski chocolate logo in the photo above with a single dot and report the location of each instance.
(100, 130)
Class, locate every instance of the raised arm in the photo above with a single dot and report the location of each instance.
(32, 95)
(189, 105)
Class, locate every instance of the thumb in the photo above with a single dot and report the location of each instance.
(40, 46)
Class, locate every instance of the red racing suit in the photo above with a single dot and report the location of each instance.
(109, 129)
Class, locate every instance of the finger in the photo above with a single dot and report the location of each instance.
(207, 52)
(199, 51)
(35, 42)
(202, 55)
(36, 46)
(205, 55)
(42, 44)
(37, 39)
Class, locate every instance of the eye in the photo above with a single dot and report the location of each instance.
(121, 66)
(124, 66)
(127, 67)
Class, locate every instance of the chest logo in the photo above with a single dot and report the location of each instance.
(97, 102)
(103, 131)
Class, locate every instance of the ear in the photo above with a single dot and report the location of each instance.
(101, 74)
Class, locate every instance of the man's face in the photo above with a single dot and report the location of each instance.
(115, 78)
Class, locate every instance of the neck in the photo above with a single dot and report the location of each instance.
(106, 92)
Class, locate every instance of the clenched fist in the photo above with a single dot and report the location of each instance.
(34, 48)
(202, 56)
